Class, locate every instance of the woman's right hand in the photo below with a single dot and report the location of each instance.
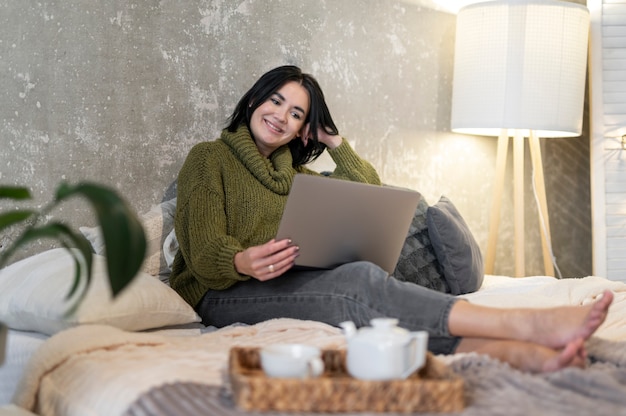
(268, 260)
(331, 141)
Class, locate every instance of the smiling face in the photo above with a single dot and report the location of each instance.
(280, 118)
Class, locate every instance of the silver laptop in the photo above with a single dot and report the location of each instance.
(337, 221)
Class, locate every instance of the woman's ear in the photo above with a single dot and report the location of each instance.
(304, 134)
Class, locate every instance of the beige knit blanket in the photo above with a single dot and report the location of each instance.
(100, 370)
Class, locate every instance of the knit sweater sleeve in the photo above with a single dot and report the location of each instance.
(350, 166)
(205, 257)
(208, 249)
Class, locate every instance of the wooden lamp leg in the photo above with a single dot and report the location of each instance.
(496, 202)
(518, 202)
(535, 153)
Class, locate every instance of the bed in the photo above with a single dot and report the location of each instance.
(20, 346)
(145, 353)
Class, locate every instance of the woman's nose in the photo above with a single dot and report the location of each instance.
(282, 115)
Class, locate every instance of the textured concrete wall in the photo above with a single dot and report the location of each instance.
(119, 91)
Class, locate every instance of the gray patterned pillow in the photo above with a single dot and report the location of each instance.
(418, 263)
(456, 248)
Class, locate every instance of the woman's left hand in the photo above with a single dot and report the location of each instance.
(268, 260)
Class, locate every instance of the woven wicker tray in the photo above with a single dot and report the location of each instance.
(435, 388)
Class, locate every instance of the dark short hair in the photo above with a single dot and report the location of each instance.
(318, 115)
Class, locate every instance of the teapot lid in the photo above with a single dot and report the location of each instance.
(385, 330)
(386, 324)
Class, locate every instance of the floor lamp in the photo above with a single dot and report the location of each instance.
(519, 71)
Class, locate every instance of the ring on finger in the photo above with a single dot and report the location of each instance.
(271, 268)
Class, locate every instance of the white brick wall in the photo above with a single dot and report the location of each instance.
(608, 113)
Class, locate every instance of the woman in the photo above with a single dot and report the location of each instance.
(231, 194)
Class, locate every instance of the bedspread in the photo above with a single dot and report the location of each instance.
(100, 370)
(492, 389)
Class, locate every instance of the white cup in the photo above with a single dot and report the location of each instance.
(291, 361)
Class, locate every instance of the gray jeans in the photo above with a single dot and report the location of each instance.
(354, 292)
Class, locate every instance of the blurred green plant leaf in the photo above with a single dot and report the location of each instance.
(122, 231)
(14, 192)
(124, 238)
(75, 243)
(14, 217)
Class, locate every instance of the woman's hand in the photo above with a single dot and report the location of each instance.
(268, 260)
(330, 140)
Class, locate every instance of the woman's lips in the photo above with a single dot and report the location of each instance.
(273, 127)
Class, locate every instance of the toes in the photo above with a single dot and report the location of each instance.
(570, 356)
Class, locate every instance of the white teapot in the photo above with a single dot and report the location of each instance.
(384, 351)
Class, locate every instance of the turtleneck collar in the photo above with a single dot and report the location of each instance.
(275, 172)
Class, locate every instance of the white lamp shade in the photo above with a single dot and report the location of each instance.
(520, 64)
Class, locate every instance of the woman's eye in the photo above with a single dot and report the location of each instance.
(275, 101)
(297, 116)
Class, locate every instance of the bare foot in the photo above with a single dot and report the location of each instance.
(526, 356)
(560, 326)
(553, 327)
(573, 355)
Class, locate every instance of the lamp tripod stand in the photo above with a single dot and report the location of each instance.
(518, 201)
(519, 70)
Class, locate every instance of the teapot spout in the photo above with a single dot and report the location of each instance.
(349, 329)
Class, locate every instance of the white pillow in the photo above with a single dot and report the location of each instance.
(157, 223)
(33, 292)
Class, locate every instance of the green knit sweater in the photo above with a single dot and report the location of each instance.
(230, 197)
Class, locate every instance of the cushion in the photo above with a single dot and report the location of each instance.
(170, 248)
(158, 222)
(33, 292)
(456, 249)
(418, 263)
